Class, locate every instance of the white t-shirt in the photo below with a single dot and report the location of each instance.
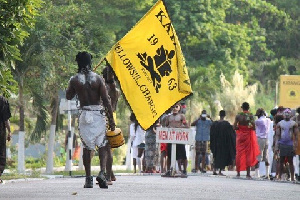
(137, 136)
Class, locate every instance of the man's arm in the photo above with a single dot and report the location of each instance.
(7, 125)
(277, 137)
(184, 122)
(252, 121)
(70, 92)
(235, 123)
(295, 136)
(107, 104)
(194, 122)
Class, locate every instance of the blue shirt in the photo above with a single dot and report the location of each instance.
(202, 129)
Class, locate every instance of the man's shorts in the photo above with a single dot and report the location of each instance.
(92, 127)
(180, 151)
(201, 147)
(263, 147)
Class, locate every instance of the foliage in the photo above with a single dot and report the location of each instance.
(256, 39)
(234, 93)
(15, 18)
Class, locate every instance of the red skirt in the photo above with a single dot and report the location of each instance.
(247, 148)
(163, 147)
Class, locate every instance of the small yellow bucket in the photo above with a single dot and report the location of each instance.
(115, 138)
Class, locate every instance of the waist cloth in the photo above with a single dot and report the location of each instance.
(92, 127)
(247, 148)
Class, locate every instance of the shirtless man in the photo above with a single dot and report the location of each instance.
(90, 89)
(247, 148)
(177, 120)
(286, 137)
(114, 94)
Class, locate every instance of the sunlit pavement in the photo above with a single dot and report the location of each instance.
(152, 186)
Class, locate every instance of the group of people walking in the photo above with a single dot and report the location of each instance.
(251, 140)
(243, 144)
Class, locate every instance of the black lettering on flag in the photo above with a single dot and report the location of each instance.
(162, 18)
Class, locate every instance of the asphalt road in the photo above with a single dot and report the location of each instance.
(142, 187)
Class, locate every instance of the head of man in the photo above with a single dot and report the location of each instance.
(132, 117)
(260, 112)
(84, 61)
(107, 73)
(298, 110)
(176, 108)
(245, 106)
(203, 115)
(280, 110)
(287, 114)
(222, 113)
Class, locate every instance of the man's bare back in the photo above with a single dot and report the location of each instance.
(242, 119)
(89, 87)
(245, 118)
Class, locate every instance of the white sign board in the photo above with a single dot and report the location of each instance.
(63, 106)
(175, 135)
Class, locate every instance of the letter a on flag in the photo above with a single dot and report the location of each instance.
(150, 66)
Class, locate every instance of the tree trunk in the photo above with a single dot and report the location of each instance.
(21, 143)
(51, 141)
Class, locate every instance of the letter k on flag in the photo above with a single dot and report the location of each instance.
(150, 66)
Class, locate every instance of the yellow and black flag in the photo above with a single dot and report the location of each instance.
(150, 66)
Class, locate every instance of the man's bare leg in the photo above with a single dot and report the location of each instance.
(87, 161)
(109, 162)
(196, 162)
(179, 161)
(162, 161)
(203, 161)
(281, 162)
(292, 169)
(134, 165)
(248, 173)
(101, 176)
(87, 157)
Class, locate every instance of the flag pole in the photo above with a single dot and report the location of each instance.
(99, 63)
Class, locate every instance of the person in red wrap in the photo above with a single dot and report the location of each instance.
(247, 148)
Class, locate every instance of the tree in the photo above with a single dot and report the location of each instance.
(16, 17)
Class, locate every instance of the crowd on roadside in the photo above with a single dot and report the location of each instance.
(242, 146)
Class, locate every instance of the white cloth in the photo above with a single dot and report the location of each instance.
(262, 126)
(137, 136)
(92, 127)
(135, 152)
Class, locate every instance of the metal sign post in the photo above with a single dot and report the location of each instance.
(69, 151)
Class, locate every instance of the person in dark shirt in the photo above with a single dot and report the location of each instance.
(4, 125)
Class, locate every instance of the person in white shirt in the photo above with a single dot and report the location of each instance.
(137, 137)
(262, 126)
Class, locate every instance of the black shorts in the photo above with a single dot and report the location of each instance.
(180, 151)
(201, 147)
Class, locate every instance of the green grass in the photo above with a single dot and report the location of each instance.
(15, 175)
(82, 172)
(36, 174)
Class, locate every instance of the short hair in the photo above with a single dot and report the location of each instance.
(245, 106)
(105, 72)
(298, 110)
(260, 112)
(273, 111)
(84, 61)
(132, 117)
(222, 113)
